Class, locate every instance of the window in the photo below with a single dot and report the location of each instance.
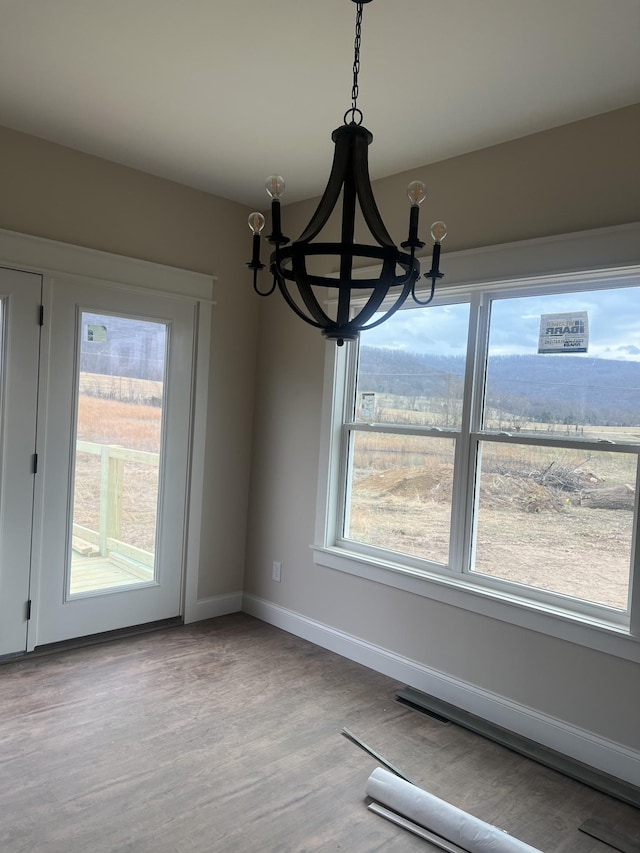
(490, 442)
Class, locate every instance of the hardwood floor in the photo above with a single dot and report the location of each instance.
(225, 736)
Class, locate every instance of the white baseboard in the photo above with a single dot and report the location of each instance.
(581, 745)
(217, 605)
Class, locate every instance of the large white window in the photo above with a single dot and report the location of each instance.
(490, 444)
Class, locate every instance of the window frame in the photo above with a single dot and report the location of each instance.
(501, 272)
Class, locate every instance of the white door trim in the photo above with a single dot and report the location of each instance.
(37, 254)
(20, 295)
(53, 259)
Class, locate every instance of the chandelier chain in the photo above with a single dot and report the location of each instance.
(356, 114)
(356, 57)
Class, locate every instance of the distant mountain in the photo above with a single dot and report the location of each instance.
(407, 374)
(546, 388)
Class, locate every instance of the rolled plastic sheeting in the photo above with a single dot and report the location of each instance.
(440, 817)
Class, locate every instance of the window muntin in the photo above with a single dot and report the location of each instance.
(613, 323)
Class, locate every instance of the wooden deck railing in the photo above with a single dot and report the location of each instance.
(108, 538)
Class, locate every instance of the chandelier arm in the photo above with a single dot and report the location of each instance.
(300, 279)
(297, 271)
(429, 298)
(346, 257)
(257, 289)
(313, 306)
(378, 295)
(356, 284)
(380, 286)
(359, 250)
(391, 310)
(365, 194)
(331, 193)
(292, 304)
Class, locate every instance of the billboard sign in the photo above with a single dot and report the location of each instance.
(562, 333)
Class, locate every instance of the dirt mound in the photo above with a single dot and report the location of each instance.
(415, 483)
(435, 482)
(497, 490)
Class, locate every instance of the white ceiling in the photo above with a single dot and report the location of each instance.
(218, 94)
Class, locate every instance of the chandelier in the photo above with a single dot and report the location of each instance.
(354, 302)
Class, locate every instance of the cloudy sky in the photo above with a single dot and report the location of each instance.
(613, 319)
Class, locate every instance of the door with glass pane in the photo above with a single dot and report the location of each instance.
(20, 296)
(116, 460)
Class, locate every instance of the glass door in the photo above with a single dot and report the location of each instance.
(116, 460)
(20, 298)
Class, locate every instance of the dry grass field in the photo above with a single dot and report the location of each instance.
(136, 426)
(556, 519)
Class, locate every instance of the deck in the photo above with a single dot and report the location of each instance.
(93, 573)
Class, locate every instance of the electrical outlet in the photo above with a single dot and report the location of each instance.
(275, 572)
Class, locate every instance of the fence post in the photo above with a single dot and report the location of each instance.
(111, 480)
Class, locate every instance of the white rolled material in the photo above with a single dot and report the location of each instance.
(440, 817)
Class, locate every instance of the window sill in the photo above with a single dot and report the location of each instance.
(565, 625)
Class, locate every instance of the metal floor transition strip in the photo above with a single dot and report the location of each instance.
(614, 787)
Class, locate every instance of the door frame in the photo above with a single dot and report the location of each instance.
(21, 294)
(59, 261)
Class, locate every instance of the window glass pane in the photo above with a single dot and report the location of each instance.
(563, 391)
(411, 368)
(117, 464)
(400, 497)
(557, 519)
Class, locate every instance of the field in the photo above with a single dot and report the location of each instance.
(552, 518)
(125, 419)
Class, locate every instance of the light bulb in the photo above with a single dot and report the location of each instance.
(416, 193)
(274, 186)
(438, 231)
(256, 222)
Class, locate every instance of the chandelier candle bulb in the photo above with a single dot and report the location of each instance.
(256, 222)
(274, 186)
(416, 193)
(438, 231)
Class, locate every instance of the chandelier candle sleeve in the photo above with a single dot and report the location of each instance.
(357, 301)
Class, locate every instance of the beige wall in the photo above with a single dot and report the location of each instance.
(576, 177)
(54, 192)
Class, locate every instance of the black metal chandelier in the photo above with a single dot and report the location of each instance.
(355, 300)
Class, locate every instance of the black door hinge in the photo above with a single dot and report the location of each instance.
(35, 463)
(41, 316)
(28, 610)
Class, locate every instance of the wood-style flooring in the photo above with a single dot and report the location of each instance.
(224, 736)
